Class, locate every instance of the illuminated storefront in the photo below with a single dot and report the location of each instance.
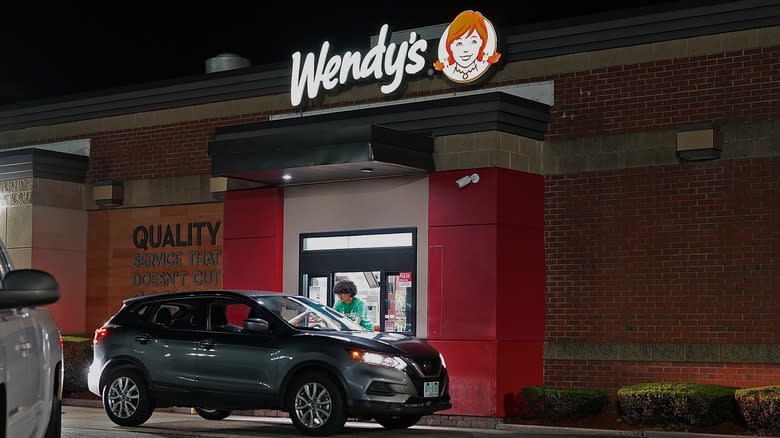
(541, 212)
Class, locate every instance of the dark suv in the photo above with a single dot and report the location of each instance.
(228, 350)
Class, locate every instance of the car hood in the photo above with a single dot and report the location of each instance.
(386, 342)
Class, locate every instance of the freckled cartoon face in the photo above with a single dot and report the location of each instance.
(466, 48)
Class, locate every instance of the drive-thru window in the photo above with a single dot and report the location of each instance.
(381, 263)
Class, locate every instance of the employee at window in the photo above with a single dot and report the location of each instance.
(350, 305)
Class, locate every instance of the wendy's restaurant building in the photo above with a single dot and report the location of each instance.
(587, 203)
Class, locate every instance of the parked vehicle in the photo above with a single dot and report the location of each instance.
(31, 364)
(227, 350)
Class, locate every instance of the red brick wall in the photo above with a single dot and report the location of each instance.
(668, 254)
(613, 375)
(728, 87)
(684, 254)
(156, 151)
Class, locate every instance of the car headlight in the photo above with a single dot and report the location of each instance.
(441, 358)
(378, 359)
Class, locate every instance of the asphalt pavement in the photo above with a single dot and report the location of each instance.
(86, 418)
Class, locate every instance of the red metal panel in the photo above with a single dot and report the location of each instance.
(473, 204)
(253, 213)
(486, 283)
(252, 264)
(467, 287)
(435, 295)
(520, 198)
(253, 239)
(518, 365)
(472, 369)
(520, 295)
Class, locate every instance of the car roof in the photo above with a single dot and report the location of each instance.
(199, 293)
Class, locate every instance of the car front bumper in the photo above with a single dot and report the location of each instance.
(371, 409)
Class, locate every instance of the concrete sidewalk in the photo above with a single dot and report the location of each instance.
(516, 428)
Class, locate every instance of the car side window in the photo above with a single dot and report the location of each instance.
(164, 315)
(180, 315)
(227, 315)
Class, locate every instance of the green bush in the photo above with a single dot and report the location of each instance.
(676, 405)
(760, 407)
(557, 404)
(77, 354)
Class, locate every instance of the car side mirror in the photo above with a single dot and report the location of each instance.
(256, 325)
(28, 288)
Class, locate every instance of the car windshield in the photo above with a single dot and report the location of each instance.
(304, 313)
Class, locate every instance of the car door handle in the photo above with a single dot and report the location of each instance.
(208, 344)
(143, 339)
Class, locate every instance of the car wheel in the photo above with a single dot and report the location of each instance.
(316, 405)
(126, 398)
(54, 429)
(212, 414)
(398, 421)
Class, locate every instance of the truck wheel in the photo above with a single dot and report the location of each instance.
(316, 405)
(126, 398)
(54, 429)
(212, 414)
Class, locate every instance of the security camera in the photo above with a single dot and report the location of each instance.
(466, 180)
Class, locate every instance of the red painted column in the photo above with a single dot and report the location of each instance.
(253, 238)
(486, 285)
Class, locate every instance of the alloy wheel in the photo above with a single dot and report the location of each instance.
(123, 397)
(313, 405)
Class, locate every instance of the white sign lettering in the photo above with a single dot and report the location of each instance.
(382, 60)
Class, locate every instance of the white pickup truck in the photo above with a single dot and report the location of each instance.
(31, 364)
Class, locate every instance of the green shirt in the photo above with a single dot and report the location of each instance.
(354, 310)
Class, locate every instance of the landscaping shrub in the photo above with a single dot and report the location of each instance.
(558, 404)
(676, 405)
(77, 354)
(760, 408)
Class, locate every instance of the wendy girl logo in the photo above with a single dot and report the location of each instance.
(467, 48)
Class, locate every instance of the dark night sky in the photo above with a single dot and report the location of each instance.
(60, 48)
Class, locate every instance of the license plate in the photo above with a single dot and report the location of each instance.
(430, 389)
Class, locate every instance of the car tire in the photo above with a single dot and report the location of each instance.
(316, 405)
(126, 398)
(398, 421)
(212, 414)
(54, 429)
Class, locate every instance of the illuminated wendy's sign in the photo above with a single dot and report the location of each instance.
(382, 60)
(466, 50)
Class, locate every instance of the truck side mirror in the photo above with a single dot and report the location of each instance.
(28, 288)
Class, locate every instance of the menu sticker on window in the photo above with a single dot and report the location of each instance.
(405, 279)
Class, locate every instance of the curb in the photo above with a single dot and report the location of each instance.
(576, 431)
(86, 403)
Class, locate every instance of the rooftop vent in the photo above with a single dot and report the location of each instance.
(225, 62)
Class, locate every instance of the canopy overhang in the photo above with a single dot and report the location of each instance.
(387, 140)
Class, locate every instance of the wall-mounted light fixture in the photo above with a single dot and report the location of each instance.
(109, 194)
(699, 142)
(466, 180)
